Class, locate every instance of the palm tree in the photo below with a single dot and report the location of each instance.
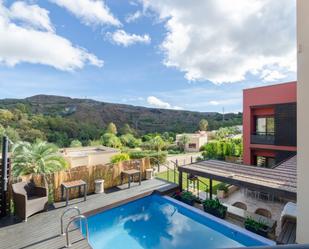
(183, 140)
(39, 157)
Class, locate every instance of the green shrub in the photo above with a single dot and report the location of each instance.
(111, 140)
(219, 149)
(215, 207)
(76, 143)
(154, 156)
(120, 158)
(256, 225)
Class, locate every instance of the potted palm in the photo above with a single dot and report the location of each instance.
(214, 207)
(258, 227)
(222, 190)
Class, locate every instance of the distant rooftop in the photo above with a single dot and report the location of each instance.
(85, 151)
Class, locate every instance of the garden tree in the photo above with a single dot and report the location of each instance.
(183, 140)
(225, 132)
(111, 140)
(111, 128)
(31, 135)
(168, 137)
(203, 125)
(76, 143)
(95, 142)
(126, 129)
(59, 138)
(36, 158)
(5, 116)
(12, 134)
(157, 143)
(130, 141)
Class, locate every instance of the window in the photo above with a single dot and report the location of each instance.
(265, 126)
(192, 146)
(266, 162)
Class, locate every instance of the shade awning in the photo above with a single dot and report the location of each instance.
(280, 180)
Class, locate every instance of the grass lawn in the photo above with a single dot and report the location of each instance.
(202, 187)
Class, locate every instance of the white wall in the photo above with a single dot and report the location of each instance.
(303, 121)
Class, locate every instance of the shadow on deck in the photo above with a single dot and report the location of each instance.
(43, 230)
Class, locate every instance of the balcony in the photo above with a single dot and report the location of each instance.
(263, 138)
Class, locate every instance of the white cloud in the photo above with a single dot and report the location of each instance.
(225, 102)
(134, 16)
(224, 41)
(271, 75)
(21, 43)
(156, 102)
(91, 12)
(120, 37)
(31, 15)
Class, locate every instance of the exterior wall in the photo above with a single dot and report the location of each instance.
(194, 138)
(89, 156)
(260, 101)
(303, 122)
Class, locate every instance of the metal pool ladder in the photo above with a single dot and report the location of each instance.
(79, 217)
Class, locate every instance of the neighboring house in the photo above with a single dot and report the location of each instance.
(88, 156)
(196, 140)
(269, 124)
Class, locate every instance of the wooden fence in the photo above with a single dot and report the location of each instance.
(110, 173)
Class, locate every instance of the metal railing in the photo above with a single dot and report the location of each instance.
(263, 138)
(62, 216)
(185, 177)
(80, 218)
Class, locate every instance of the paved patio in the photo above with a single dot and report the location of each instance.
(43, 230)
(274, 207)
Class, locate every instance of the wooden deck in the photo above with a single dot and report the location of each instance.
(43, 230)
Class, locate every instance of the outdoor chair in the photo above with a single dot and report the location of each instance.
(29, 199)
(240, 205)
(263, 212)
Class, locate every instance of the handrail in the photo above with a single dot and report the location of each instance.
(80, 217)
(64, 212)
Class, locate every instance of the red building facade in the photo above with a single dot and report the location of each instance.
(269, 124)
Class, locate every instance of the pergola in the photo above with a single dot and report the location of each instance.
(280, 181)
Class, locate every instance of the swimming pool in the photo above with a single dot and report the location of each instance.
(159, 222)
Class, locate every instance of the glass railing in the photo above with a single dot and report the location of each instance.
(263, 138)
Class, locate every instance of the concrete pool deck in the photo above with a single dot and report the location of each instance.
(43, 230)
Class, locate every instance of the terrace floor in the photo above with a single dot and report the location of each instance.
(43, 230)
(275, 207)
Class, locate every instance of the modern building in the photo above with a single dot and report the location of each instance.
(302, 121)
(195, 140)
(269, 124)
(88, 156)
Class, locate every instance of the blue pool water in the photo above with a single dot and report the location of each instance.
(156, 222)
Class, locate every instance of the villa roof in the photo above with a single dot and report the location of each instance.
(280, 180)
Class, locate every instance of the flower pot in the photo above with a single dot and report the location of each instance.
(221, 194)
(185, 200)
(261, 231)
(216, 212)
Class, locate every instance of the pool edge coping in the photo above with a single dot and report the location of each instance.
(239, 229)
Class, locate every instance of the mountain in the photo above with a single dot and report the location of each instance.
(143, 119)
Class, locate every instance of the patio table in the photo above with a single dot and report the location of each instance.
(66, 186)
(130, 174)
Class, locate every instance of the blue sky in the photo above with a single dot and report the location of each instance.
(164, 53)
